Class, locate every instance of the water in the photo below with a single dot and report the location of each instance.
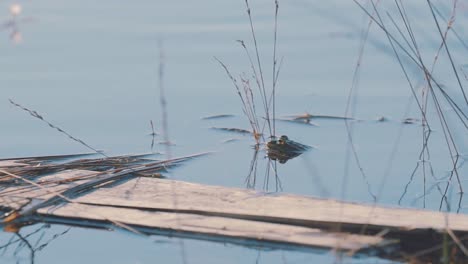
(91, 68)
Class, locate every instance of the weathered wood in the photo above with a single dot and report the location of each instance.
(169, 195)
(100, 179)
(10, 203)
(215, 226)
(201, 210)
(12, 163)
(50, 185)
(184, 223)
(24, 161)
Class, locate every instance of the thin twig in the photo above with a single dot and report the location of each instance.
(163, 101)
(40, 117)
(273, 92)
(259, 65)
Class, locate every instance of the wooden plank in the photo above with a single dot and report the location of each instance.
(9, 203)
(111, 176)
(51, 185)
(12, 163)
(201, 210)
(215, 226)
(197, 225)
(169, 195)
(47, 158)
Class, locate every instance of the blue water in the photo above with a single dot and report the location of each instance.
(91, 68)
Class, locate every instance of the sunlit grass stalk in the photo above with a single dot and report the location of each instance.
(243, 85)
(259, 65)
(429, 92)
(425, 96)
(429, 3)
(247, 99)
(250, 107)
(432, 85)
(349, 112)
(274, 73)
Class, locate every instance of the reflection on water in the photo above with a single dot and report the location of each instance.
(91, 70)
(26, 245)
(40, 241)
(277, 150)
(12, 24)
(271, 170)
(284, 149)
(44, 243)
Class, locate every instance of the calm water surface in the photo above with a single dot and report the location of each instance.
(91, 68)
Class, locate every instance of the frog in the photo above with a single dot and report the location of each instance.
(284, 149)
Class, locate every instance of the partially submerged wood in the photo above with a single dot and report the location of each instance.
(213, 226)
(50, 184)
(48, 180)
(220, 116)
(47, 205)
(159, 194)
(155, 206)
(234, 130)
(12, 163)
(34, 161)
(38, 167)
(99, 179)
(307, 118)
